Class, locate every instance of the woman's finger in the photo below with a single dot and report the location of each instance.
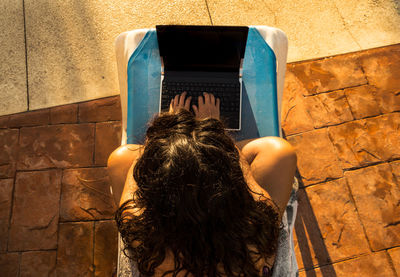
(187, 102)
(200, 100)
(171, 106)
(182, 99)
(218, 102)
(212, 99)
(176, 100)
(206, 98)
(196, 111)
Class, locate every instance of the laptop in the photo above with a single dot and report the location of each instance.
(199, 59)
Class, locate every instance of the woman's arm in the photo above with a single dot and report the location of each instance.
(271, 167)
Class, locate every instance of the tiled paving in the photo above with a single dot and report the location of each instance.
(341, 113)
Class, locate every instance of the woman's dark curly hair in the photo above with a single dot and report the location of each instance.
(195, 203)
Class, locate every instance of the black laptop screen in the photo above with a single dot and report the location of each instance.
(201, 48)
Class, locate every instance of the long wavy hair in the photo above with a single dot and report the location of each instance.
(195, 203)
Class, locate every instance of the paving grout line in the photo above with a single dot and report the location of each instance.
(208, 10)
(85, 221)
(391, 263)
(26, 57)
(333, 90)
(57, 124)
(351, 169)
(341, 123)
(320, 183)
(59, 209)
(32, 250)
(390, 248)
(94, 144)
(93, 248)
(62, 168)
(358, 216)
(19, 264)
(345, 259)
(12, 196)
(371, 164)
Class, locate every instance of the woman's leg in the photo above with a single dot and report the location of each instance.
(119, 162)
(272, 162)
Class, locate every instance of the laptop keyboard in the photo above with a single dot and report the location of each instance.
(228, 93)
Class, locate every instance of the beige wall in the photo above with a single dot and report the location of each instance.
(54, 52)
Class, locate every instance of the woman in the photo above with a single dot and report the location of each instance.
(192, 202)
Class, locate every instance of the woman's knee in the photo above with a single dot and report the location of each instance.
(118, 164)
(277, 149)
(123, 154)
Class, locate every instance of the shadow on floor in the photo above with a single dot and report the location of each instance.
(309, 237)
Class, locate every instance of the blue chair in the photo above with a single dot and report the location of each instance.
(264, 66)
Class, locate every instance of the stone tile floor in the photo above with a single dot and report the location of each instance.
(341, 113)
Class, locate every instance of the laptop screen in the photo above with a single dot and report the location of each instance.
(201, 48)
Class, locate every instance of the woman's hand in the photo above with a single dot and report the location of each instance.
(179, 102)
(208, 106)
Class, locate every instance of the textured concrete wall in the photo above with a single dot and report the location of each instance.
(13, 97)
(54, 52)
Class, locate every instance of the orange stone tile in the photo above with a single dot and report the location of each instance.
(376, 196)
(9, 264)
(75, 249)
(337, 219)
(329, 74)
(353, 144)
(382, 69)
(86, 195)
(316, 157)
(395, 256)
(108, 138)
(38, 263)
(64, 114)
(4, 121)
(295, 117)
(105, 248)
(34, 220)
(374, 264)
(31, 118)
(388, 101)
(105, 109)
(7, 170)
(396, 170)
(56, 146)
(6, 186)
(328, 108)
(384, 130)
(367, 141)
(362, 101)
(8, 152)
